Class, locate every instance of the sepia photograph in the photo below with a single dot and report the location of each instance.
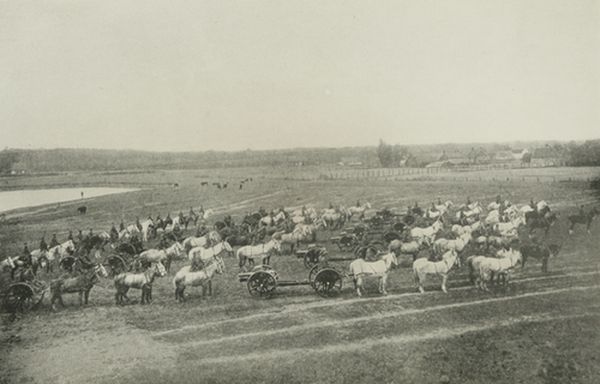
(299, 191)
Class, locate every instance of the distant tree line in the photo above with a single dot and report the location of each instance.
(384, 155)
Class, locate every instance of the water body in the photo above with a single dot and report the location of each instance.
(10, 200)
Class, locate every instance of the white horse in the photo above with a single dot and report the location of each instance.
(59, 251)
(380, 269)
(488, 266)
(423, 267)
(8, 263)
(493, 217)
(260, 251)
(205, 254)
(82, 284)
(468, 213)
(408, 248)
(444, 207)
(510, 228)
(193, 242)
(360, 210)
(146, 224)
(442, 245)
(429, 232)
(162, 255)
(460, 230)
(143, 281)
(186, 278)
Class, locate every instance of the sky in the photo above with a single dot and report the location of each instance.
(263, 74)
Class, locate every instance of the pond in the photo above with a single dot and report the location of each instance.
(10, 200)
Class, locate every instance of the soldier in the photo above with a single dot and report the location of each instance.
(80, 236)
(53, 241)
(90, 233)
(137, 223)
(43, 245)
(121, 226)
(581, 211)
(114, 234)
(168, 220)
(70, 237)
(26, 262)
(181, 218)
(358, 203)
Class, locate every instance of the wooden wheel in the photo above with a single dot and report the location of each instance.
(313, 272)
(347, 242)
(66, 263)
(328, 282)
(117, 265)
(19, 298)
(261, 284)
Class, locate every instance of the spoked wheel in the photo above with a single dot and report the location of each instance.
(66, 263)
(313, 272)
(328, 282)
(347, 242)
(261, 284)
(19, 298)
(117, 265)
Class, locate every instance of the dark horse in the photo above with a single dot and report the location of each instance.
(543, 219)
(540, 252)
(583, 219)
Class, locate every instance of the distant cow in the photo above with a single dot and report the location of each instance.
(82, 210)
(204, 183)
(176, 185)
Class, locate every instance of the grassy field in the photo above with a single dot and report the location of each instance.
(543, 329)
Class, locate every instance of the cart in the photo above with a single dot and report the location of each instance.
(24, 296)
(315, 255)
(262, 281)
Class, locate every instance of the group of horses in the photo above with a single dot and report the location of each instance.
(485, 239)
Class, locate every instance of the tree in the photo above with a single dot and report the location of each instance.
(7, 159)
(385, 153)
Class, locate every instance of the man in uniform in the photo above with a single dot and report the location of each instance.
(114, 234)
(137, 223)
(70, 237)
(43, 245)
(80, 236)
(54, 241)
(121, 226)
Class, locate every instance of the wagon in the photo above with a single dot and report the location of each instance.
(315, 255)
(24, 296)
(262, 280)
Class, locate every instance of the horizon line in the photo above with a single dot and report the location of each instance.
(505, 142)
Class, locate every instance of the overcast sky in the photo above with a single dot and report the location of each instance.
(228, 75)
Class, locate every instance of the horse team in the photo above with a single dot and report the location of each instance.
(445, 232)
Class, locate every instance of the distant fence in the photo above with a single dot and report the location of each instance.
(488, 172)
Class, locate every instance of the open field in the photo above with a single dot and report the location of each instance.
(544, 329)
